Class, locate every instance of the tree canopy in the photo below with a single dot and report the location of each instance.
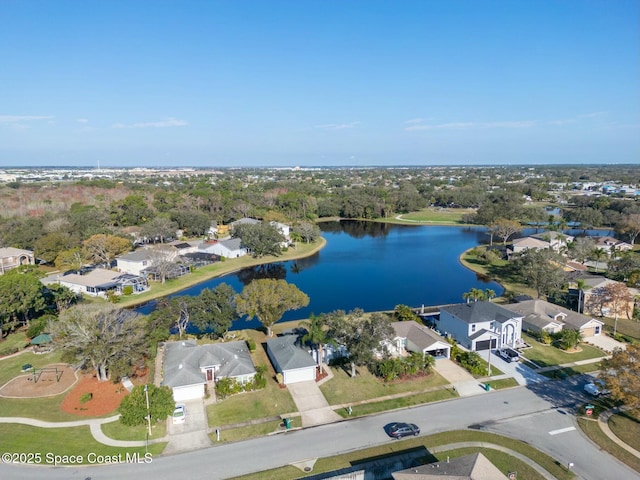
(133, 408)
(621, 374)
(100, 335)
(267, 300)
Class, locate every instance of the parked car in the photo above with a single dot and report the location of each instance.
(400, 429)
(596, 388)
(179, 414)
(509, 354)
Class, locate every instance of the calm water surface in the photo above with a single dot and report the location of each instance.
(373, 266)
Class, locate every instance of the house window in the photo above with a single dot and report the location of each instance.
(473, 327)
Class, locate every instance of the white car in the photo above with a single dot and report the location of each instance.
(179, 414)
(596, 388)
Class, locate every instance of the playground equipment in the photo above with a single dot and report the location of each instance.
(37, 373)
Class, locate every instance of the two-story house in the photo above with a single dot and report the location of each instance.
(481, 325)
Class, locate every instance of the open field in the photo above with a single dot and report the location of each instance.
(434, 216)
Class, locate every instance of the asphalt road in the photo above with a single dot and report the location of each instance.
(540, 414)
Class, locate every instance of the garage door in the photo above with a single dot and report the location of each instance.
(191, 392)
(484, 344)
(299, 375)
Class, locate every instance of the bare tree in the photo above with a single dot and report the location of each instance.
(100, 335)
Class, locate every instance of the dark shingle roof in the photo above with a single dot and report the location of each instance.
(476, 312)
(288, 355)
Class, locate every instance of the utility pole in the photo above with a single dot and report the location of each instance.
(146, 394)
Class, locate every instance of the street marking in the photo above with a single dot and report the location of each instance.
(562, 430)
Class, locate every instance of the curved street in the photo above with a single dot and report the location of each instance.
(540, 414)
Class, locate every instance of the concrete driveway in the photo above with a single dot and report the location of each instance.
(463, 381)
(193, 433)
(518, 370)
(313, 407)
(605, 343)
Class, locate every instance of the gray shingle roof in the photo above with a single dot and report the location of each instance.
(476, 312)
(288, 355)
(183, 361)
(541, 313)
(420, 335)
(469, 467)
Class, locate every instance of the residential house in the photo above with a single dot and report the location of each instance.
(612, 246)
(540, 315)
(468, 467)
(15, 257)
(519, 245)
(592, 299)
(231, 248)
(557, 240)
(285, 230)
(291, 360)
(99, 282)
(188, 367)
(481, 325)
(413, 337)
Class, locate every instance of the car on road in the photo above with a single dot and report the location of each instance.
(509, 354)
(596, 388)
(179, 414)
(401, 429)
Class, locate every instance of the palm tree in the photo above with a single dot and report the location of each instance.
(598, 254)
(466, 296)
(490, 294)
(580, 284)
(316, 335)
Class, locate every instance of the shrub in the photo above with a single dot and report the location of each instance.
(251, 345)
(86, 397)
(127, 290)
(472, 362)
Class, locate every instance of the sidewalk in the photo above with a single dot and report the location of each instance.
(603, 423)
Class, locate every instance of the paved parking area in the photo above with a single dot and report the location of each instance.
(605, 343)
(313, 407)
(193, 433)
(463, 381)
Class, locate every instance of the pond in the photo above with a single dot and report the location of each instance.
(373, 266)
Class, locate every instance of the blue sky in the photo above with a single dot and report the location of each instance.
(308, 82)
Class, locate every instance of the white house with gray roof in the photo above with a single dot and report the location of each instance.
(231, 248)
(188, 367)
(481, 325)
(293, 362)
(410, 336)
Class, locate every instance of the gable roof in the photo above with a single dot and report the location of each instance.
(530, 242)
(183, 361)
(13, 252)
(540, 313)
(476, 312)
(288, 355)
(469, 467)
(419, 335)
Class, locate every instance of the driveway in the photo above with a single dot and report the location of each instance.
(518, 370)
(193, 433)
(605, 343)
(313, 407)
(463, 381)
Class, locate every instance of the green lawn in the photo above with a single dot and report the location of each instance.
(61, 441)
(427, 443)
(571, 371)
(400, 402)
(250, 431)
(503, 383)
(626, 427)
(593, 431)
(437, 215)
(365, 386)
(547, 355)
(118, 431)
(14, 340)
(11, 367)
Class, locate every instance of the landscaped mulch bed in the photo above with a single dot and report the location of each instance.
(105, 397)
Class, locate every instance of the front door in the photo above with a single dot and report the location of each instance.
(209, 374)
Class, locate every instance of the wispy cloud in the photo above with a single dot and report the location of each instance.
(576, 119)
(22, 120)
(84, 121)
(337, 126)
(469, 125)
(167, 122)
(414, 121)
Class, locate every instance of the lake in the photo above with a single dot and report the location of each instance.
(373, 266)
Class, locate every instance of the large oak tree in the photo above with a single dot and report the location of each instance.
(267, 300)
